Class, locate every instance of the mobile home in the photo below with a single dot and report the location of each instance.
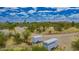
(51, 43)
(36, 39)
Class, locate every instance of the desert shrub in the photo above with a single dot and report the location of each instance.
(26, 35)
(59, 48)
(58, 28)
(39, 48)
(15, 49)
(17, 38)
(2, 39)
(8, 49)
(75, 44)
(50, 32)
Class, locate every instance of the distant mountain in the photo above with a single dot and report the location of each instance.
(39, 14)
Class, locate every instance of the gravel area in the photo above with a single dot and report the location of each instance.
(64, 39)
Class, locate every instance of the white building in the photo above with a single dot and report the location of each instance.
(51, 43)
(37, 38)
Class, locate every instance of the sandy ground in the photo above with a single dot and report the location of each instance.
(64, 39)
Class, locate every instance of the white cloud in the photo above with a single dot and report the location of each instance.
(45, 11)
(65, 8)
(12, 13)
(62, 8)
(23, 13)
(20, 13)
(31, 11)
(13, 7)
(2, 10)
(74, 16)
(8, 8)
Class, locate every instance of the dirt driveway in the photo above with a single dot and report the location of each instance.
(64, 39)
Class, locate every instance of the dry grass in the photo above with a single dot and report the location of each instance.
(71, 30)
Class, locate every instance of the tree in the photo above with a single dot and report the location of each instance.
(2, 39)
(58, 28)
(17, 38)
(26, 35)
(50, 32)
(75, 44)
(11, 26)
(73, 23)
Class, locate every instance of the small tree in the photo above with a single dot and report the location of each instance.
(2, 39)
(49, 32)
(75, 44)
(73, 23)
(26, 35)
(58, 28)
(17, 38)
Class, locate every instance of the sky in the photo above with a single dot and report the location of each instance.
(32, 14)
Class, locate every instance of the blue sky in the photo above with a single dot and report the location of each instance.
(39, 14)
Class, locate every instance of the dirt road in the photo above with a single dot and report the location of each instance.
(64, 39)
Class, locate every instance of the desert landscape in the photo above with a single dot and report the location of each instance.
(18, 36)
(39, 29)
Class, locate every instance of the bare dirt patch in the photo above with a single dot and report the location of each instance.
(65, 40)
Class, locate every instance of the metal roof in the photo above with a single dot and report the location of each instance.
(37, 36)
(50, 40)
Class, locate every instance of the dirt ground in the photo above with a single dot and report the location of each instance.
(64, 40)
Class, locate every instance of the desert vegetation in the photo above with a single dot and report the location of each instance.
(75, 44)
(18, 35)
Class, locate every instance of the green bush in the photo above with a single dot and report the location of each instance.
(17, 38)
(37, 48)
(75, 44)
(15, 49)
(26, 35)
(2, 39)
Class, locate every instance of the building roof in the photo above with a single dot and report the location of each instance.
(37, 36)
(50, 40)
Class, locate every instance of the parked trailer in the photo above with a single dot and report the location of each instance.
(51, 43)
(36, 39)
